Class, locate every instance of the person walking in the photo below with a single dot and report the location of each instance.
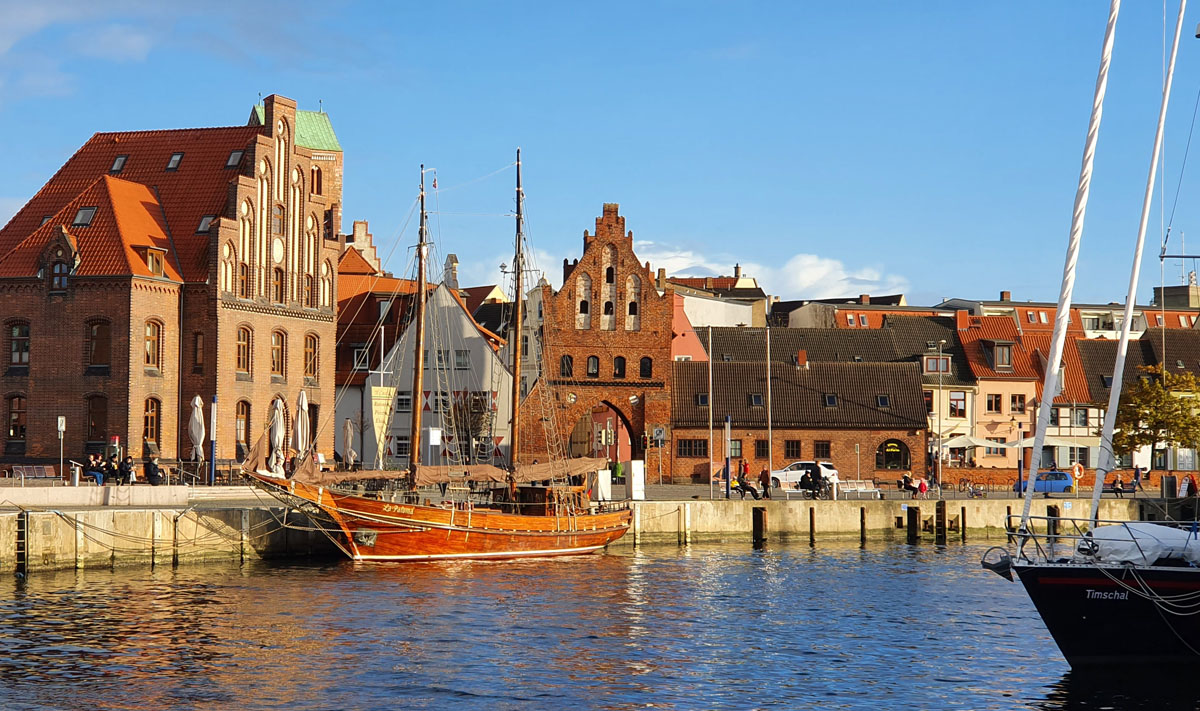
(764, 481)
(1137, 479)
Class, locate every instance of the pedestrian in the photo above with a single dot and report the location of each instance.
(1119, 487)
(764, 481)
(1137, 479)
(1191, 480)
(922, 487)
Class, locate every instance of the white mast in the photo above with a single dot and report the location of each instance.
(1105, 464)
(1062, 317)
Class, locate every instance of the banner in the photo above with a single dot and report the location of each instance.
(383, 399)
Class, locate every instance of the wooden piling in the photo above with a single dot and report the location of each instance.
(862, 524)
(812, 526)
(939, 521)
(914, 524)
(962, 522)
(760, 524)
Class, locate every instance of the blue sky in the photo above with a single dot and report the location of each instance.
(830, 148)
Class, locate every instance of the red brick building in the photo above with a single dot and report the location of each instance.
(155, 266)
(606, 341)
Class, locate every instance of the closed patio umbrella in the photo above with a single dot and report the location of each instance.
(302, 423)
(348, 443)
(275, 437)
(196, 429)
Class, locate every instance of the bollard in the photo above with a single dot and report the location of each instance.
(1008, 519)
(962, 522)
(914, 524)
(760, 525)
(862, 524)
(939, 521)
(812, 526)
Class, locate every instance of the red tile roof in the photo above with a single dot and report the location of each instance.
(1074, 326)
(198, 187)
(352, 262)
(1074, 387)
(995, 328)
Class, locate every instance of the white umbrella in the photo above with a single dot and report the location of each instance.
(969, 441)
(348, 442)
(302, 423)
(276, 437)
(196, 428)
(1046, 442)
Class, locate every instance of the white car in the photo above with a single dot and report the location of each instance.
(790, 475)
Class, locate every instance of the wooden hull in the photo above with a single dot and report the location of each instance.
(373, 530)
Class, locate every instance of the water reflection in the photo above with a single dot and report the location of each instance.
(704, 626)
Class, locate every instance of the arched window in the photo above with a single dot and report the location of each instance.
(97, 418)
(608, 308)
(316, 181)
(646, 367)
(619, 367)
(277, 220)
(892, 454)
(153, 344)
(309, 295)
(583, 294)
(278, 352)
(566, 366)
(244, 340)
(97, 349)
(610, 275)
(242, 424)
(593, 367)
(633, 308)
(583, 306)
(277, 284)
(58, 275)
(152, 421)
(311, 354)
(326, 284)
(18, 344)
(16, 418)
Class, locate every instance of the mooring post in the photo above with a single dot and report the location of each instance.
(812, 526)
(914, 524)
(687, 524)
(862, 524)
(1052, 513)
(637, 525)
(962, 522)
(939, 521)
(760, 524)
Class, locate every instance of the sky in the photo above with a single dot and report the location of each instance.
(831, 149)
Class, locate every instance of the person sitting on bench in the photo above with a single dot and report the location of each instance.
(95, 469)
(906, 484)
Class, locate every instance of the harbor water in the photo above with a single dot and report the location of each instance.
(711, 626)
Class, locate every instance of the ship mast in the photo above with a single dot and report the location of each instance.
(515, 331)
(418, 393)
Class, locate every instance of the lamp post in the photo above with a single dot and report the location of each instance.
(1020, 459)
(940, 370)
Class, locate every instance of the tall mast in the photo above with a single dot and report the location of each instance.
(515, 330)
(418, 393)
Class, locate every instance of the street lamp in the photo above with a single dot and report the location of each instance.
(940, 369)
(1020, 451)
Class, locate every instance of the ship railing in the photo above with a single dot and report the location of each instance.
(1060, 539)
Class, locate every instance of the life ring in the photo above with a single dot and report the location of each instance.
(1076, 471)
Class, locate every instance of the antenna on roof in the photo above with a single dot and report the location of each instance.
(320, 105)
(260, 97)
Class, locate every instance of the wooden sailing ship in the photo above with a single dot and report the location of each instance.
(503, 514)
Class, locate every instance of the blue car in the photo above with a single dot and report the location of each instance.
(1052, 482)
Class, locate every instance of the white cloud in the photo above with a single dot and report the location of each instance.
(116, 42)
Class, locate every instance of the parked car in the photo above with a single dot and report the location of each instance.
(790, 475)
(1052, 482)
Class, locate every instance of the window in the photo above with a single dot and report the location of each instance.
(1054, 417)
(16, 418)
(83, 218)
(928, 395)
(173, 164)
(205, 222)
(593, 367)
(1017, 403)
(1158, 319)
(646, 368)
(862, 320)
(701, 399)
(152, 421)
(235, 159)
(1078, 455)
(45, 219)
(892, 454)
(958, 403)
(850, 320)
(312, 356)
(619, 367)
(242, 426)
(277, 220)
(243, 350)
(831, 400)
(937, 364)
(1042, 316)
(1079, 417)
(791, 449)
(566, 366)
(994, 450)
(754, 399)
(278, 353)
(315, 181)
(404, 401)
(1003, 357)
(310, 299)
(462, 360)
(443, 359)
(1091, 323)
(691, 448)
(822, 449)
(883, 401)
(994, 402)
(97, 418)
(1183, 320)
(761, 450)
(277, 284)
(608, 308)
(735, 449)
(244, 280)
(583, 306)
(441, 402)
(402, 448)
(118, 164)
(153, 344)
(97, 349)
(609, 275)
(154, 262)
(1031, 316)
(19, 344)
(58, 275)
(197, 352)
(633, 308)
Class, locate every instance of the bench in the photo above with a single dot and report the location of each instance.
(861, 488)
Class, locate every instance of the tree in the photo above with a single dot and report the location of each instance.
(1158, 411)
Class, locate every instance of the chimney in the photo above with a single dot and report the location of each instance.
(1006, 296)
(802, 359)
(450, 276)
(737, 271)
(662, 278)
(864, 299)
(962, 320)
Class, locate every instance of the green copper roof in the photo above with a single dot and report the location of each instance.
(313, 129)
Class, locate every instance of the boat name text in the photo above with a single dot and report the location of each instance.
(392, 508)
(1111, 595)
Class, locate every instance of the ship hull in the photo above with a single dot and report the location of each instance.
(1103, 616)
(368, 529)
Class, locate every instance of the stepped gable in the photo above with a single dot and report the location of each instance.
(196, 187)
(798, 395)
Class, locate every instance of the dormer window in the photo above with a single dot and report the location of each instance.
(1107, 380)
(702, 399)
(849, 319)
(1031, 316)
(58, 276)
(118, 164)
(235, 159)
(754, 399)
(883, 401)
(726, 357)
(937, 364)
(1003, 356)
(154, 261)
(173, 163)
(831, 400)
(83, 218)
(1179, 364)
(204, 223)
(45, 219)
